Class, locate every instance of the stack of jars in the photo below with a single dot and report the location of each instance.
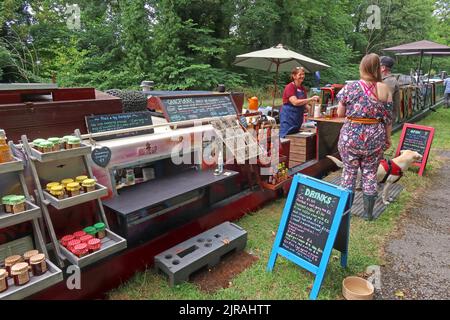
(86, 241)
(279, 175)
(13, 203)
(71, 187)
(19, 268)
(56, 144)
(5, 151)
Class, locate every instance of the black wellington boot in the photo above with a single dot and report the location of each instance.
(369, 204)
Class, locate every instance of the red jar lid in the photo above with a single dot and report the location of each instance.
(73, 243)
(79, 234)
(94, 244)
(86, 238)
(80, 249)
(65, 240)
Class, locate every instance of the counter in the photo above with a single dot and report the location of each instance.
(328, 131)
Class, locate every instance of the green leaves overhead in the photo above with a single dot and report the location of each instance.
(191, 44)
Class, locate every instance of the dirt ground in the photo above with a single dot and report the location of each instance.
(418, 255)
(220, 276)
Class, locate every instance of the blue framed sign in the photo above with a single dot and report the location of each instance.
(314, 220)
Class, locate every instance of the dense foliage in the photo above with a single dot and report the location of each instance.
(191, 44)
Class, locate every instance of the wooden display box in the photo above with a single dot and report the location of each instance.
(302, 148)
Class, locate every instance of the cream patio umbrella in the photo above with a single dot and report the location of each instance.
(278, 59)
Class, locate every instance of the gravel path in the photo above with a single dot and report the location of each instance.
(418, 257)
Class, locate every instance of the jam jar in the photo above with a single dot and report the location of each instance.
(90, 230)
(27, 255)
(38, 264)
(56, 143)
(19, 272)
(37, 144)
(46, 146)
(6, 201)
(17, 204)
(49, 185)
(94, 245)
(100, 227)
(80, 179)
(10, 261)
(64, 141)
(80, 250)
(65, 182)
(86, 238)
(72, 243)
(73, 189)
(79, 234)
(88, 185)
(73, 142)
(3, 280)
(65, 240)
(57, 192)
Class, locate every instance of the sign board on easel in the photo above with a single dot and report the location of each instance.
(312, 223)
(416, 138)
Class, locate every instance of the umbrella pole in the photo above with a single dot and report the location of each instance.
(275, 85)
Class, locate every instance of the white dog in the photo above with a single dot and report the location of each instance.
(389, 171)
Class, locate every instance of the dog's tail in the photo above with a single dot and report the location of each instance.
(336, 160)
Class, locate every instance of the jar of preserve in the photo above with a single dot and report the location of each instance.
(46, 146)
(65, 182)
(91, 230)
(49, 185)
(73, 189)
(80, 250)
(57, 192)
(65, 240)
(37, 144)
(101, 230)
(72, 243)
(56, 143)
(94, 245)
(73, 142)
(38, 264)
(10, 261)
(27, 255)
(19, 272)
(80, 179)
(64, 141)
(6, 201)
(88, 185)
(79, 234)
(86, 238)
(17, 204)
(3, 280)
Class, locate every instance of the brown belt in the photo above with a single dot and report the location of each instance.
(364, 120)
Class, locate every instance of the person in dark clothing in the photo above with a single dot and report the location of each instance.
(391, 81)
(295, 98)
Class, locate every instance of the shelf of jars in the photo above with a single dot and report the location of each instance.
(28, 279)
(11, 166)
(30, 211)
(88, 248)
(69, 201)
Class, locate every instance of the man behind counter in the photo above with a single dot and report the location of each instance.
(391, 81)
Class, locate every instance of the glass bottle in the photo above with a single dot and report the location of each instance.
(130, 177)
(5, 151)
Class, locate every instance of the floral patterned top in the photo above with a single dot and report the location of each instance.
(358, 104)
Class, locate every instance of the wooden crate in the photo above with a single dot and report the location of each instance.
(302, 148)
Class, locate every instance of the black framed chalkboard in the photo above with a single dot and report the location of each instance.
(309, 222)
(415, 139)
(118, 121)
(197, 106)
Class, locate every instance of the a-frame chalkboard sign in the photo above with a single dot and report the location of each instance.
(416, 138)
(314, 220)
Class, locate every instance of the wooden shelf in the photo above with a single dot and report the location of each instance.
(59, 204)
(277, 186)
(36, 284)
(112, 243)
(59, 155)
(9, 219)
(12, 166)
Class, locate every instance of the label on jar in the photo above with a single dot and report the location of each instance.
(3, 285)
(43, 266)
(23, 277)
